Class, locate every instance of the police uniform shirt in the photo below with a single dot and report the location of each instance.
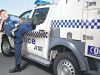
(9, 24)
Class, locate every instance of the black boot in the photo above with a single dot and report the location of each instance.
(16, 69)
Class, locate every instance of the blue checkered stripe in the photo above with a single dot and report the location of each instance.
(37, 34)
(93, 24)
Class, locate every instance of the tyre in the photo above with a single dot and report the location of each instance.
(6, 47)
(66, 64)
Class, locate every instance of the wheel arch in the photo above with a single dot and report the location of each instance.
(10, 40)
(70, 47)
(1, 37)
(9, 49)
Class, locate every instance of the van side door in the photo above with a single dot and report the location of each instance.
(92, 36)
(37, 40)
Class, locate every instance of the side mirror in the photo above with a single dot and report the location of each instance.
(33, 25)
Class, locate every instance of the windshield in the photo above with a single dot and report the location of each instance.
(39, 15)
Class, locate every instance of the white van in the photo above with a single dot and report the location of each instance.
(67, 35)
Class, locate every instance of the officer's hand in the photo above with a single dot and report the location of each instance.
(21, 21)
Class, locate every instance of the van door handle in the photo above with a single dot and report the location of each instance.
(86, 4)
(41, 30)
(85, 37)
(90, 3)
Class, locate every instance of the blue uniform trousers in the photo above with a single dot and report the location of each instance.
(22, 29)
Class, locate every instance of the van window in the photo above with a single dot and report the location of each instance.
(39, 15)
(25, 15)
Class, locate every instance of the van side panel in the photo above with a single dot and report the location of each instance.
(71, 19)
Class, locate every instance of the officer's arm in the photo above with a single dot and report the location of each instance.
(15, 19)
(1, 24)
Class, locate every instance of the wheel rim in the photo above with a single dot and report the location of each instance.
(65, 67)
(6, 47)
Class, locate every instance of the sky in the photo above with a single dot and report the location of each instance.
(17, 7)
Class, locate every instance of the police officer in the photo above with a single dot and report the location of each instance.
(8, 23)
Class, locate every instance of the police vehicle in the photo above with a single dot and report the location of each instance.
(67, 35)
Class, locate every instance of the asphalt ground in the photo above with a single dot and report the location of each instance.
(28, 67)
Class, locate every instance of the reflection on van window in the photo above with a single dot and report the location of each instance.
(39, 15)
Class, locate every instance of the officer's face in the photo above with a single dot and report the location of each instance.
(4, 15)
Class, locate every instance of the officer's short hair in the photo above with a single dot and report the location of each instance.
(2, 10)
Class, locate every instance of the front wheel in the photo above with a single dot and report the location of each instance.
(66, 64)
(6, 47)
